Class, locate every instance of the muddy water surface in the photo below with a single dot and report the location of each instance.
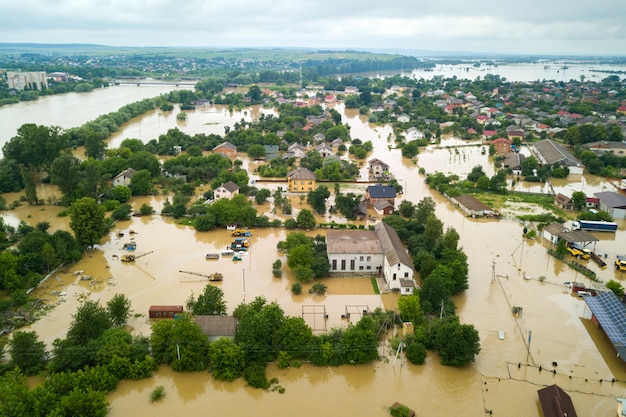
(504, 272)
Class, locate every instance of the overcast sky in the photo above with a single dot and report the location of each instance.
(553, 27)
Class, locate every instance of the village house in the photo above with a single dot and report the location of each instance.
(226, 190)
(227, 149)
(271, 152)
(600, 147)
(555, 402)
(404, 118)
(301, 180)
(413, 133)
(383, 208)
(472, 207)
(324, 150)
(295, 150)
(378, 169)
(513, 161)
(501, 146)
(552, 231)
(379, 192)
(124, 177)
(217, 326)
(549, 152)
(378, 252)
(319, 138)
(515, 134)
(563, 202)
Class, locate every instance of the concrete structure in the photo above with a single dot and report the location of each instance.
(295, 150)
(612, 203)
(216, 327)
(226, 190)
(227, 149)
(372, 252)
(301, 180)
(124, 177)
(29, 80)
(603, 146)
(378, 168)
(324, 150)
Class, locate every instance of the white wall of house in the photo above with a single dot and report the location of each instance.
(355, 263)
(121, 180)
(393, 274)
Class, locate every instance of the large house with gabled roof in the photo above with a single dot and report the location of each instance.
(372, 252)
(301, 180)
(549, 152)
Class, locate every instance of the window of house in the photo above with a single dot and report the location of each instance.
(394, 277)
(361, 258)
(360, 267)
(158, 314)
(369, 267)
(343, 264)
(369, 259)
(406, 275)
(398, 266)
(352, 264)
(334, 264)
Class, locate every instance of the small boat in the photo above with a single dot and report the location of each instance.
(212, 256)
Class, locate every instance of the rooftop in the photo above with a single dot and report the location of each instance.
(353, 241)
(611, 315)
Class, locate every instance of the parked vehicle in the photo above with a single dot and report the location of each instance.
(578, 251)
(241, 232)
(242, 241)
(620, 263)
(595, 226)
(228, 252)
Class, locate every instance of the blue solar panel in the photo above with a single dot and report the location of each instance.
(611, 315)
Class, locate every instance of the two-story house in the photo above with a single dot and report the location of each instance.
(301, 180)
(227, 149)
(124, 177)
(372, 252)
(379, 192)
(226, 190)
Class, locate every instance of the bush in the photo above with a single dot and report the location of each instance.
(254, 375)
(296, 288)
(146, 209)
(157, 394)
(318, 289)
(291, 224)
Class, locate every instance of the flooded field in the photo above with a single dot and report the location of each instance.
(505, 272)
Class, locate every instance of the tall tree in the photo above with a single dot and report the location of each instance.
(87, 221)
(306, 219)
(317, 199)
(119, 309)
(27, 352)
(210, 302)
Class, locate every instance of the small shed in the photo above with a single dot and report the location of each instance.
(383, 207)
(551, 232)
(564, 202)
(164, 312)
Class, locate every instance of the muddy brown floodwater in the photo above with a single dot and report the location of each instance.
(504, 272)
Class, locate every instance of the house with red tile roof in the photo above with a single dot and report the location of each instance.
(502, 145)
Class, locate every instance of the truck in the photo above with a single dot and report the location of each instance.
(595, 226)
(578, 251)
(620, 263)
(241, 232)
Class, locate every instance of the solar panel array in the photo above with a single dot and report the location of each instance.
(611, 315)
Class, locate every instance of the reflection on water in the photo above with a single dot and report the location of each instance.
(498, 262)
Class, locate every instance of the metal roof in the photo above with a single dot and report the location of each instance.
(382, 191)
(576, 236)
(353, 242)
(611, 315)
(611, 199)
(555, 402)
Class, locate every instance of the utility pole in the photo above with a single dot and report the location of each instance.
(244, 285)
(493, 270)
(530, 332)
(441, 311)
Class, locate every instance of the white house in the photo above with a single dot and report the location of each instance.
(379, 251)
(226, 190)
(124, 177)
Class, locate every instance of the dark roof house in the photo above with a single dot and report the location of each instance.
(555, 402)
(216, 327)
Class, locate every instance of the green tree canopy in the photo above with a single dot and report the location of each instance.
(87, 221)
(210, 302)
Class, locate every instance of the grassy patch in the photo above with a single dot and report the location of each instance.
(375, 286)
